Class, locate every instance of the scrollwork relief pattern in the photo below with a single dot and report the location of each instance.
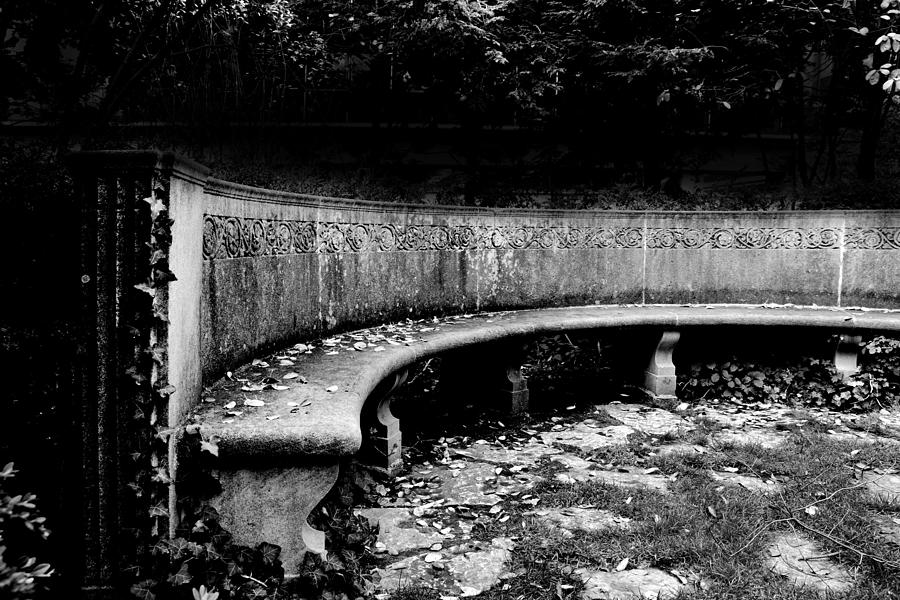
(873, 238)
(237, 237)
(745, 238)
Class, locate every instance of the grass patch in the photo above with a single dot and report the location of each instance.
(720, 532)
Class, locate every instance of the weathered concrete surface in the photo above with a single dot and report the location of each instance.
(649, 584)
(628, 477)
(586, 437)
(272, 505)
(490, 482)
(804, 563)
(525, 455)
(884, 486)
(573, 519)
(397, 532)
(467, 574)
(649, 420)
(888, 528)
(753, 484)
(277, 266)
(767, 438)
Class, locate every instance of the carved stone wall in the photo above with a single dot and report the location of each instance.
(280, 266)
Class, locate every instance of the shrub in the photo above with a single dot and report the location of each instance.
(812, 382)
(22, 533)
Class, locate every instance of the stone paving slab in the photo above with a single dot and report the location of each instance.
(648, 420)
(397, 531)
(807, 565)
(751, 483)
(883, 486)
(888, 528)
(629, 477)
(580, 519)
(649, 584)
(766, 438)
(518, 454)
(586, 438)
(427, 517)
(680, 448)
(477, 567)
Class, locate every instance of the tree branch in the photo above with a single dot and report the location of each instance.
(114, 97)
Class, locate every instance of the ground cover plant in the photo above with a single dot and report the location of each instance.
(812, 382)
(23, 536)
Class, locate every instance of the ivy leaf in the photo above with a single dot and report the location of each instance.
(167, 391)
(244, 555)
(254, 591)
(269, 552)
(183, 575)
(144, 590)
(233, 569)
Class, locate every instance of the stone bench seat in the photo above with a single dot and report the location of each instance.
(183, 277)
(310, 420)
(278, 459)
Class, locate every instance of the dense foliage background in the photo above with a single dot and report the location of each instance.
(633, 73)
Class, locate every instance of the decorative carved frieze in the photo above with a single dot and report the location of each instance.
(745, 238)
(872, 238)
(235, 237)
(238, 237)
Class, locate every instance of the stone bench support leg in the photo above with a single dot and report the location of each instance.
(492, 375)
(659, 376)
(273, 504)
(847, 353)
(383, 446)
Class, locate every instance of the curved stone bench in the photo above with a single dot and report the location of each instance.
(184, 277)
(279, 459)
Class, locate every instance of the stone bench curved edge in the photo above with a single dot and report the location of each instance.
(328, 424)
(278, 460)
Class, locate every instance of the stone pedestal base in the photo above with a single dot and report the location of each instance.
(846, 355)
(272, 505)
(382, 440)
(659, 377)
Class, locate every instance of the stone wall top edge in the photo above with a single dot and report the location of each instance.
(237, 191)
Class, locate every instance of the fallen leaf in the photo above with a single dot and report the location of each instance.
(251, 402)
(712, 512)
(210, 447)
(290, 375)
